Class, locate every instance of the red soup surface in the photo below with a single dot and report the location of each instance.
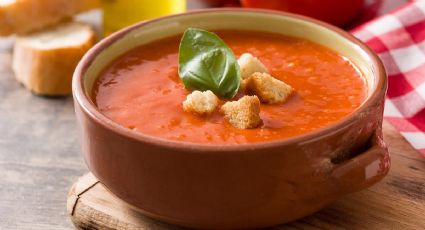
(142, 91)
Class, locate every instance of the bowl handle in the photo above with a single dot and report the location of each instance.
(364, 169)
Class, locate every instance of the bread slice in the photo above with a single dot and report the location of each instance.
(24, 16)
(45, 61)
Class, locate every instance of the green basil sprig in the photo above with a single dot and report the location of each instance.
(207, 63)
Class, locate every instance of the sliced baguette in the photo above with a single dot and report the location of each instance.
(24, 16)
(45, 61)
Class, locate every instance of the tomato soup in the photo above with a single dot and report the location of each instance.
(142, 90)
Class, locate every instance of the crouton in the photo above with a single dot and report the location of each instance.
(268, 89)
(249, 65)
(242, 87)
(203, 103)
(244, 113)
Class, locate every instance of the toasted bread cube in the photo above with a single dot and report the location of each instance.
(242, 87)
(244, 113)
(268, 89)
(249, 65)
(203, 103)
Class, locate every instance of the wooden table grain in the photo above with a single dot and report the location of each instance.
(39, 155)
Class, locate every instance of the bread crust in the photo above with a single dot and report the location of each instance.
(24, 16)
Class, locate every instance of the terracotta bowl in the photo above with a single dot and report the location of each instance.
(243, 186)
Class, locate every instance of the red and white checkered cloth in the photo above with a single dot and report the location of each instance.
(399, 39)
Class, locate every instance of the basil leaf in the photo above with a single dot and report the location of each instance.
(207, 63)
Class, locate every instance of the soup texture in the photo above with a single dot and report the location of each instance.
(142, 91)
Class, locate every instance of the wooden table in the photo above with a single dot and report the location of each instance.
(40, 156)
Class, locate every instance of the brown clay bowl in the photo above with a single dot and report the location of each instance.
(243, 186)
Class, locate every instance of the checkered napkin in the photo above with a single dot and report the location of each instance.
(399, 40)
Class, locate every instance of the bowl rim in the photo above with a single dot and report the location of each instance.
(89, 108)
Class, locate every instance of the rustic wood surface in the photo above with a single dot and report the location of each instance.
(397, 202)
(39, 155)
(39, 151)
